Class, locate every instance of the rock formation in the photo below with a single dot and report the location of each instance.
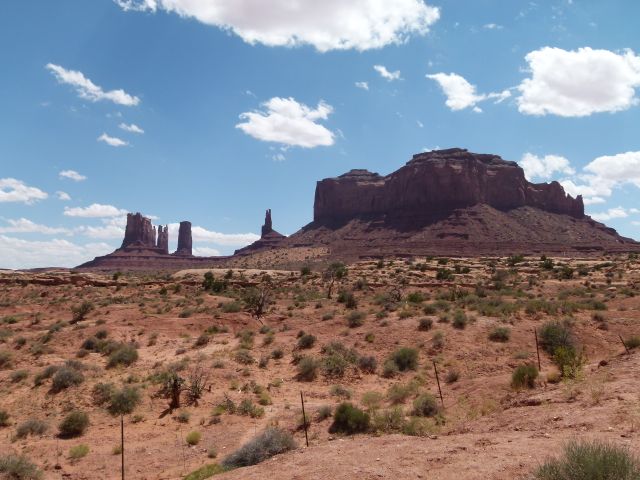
(163, 239)
(435, 183)
(139, 232)
(268, 225)
(185, 243)
(269, 239)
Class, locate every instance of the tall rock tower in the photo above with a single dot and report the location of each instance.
(185, 244)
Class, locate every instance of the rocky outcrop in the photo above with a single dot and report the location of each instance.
(434, 184)
(139, 232)
(185, 243)
(268, 224)
(163, 239)
(269, 239)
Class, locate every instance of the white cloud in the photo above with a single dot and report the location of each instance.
(113, 141)
(200, 234)
(420, 124)
(132, 128)
(492, 26)
(326, 25)
(544, 167)
(362, 85)
(593, 200)
(72, 174)
(461, 94)
(206, 252)
(95, 210)
(617, 212)
(12, 190)
(88, 90)
(64, 196)
(23, 225)
(111, 228)
(579, 82)
(16, 253)
(285, 121)
(386, 74)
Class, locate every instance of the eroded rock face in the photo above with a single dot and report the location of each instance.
(139, 231)
(163, 239)
(436, 183)
(185, 244)
(268, 225)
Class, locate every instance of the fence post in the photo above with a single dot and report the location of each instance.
(304, 419)
(438, 380)
(624, 344)
(535, 332)
(122, 444)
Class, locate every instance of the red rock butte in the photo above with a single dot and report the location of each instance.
(444, 202)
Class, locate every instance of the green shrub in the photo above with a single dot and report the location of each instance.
(66, 377)
(205, 472)
(349, 419)
(78, 451)
(18, 375)
(355, 319)
(415, 297)
(102, 392)
(32, 426)
(74, 424)
(405, 358)
(211, 284)
(13, 467)
(248, 408)
(306, 341)
(244, 357)
(125, 355)
(5, 359)
(307, 369)
(323, 413)
(231, 307)
(272, 441)
(81, 311)
(584, 460)
(367, 364)
(632, 342)
(425, 406)
(400, 392)
(460, 320)
(500, 334)
(390, 369)
(123, 401)
(425, 324)
(524, 376)
(555, 334)
(193, 438)
(569, 360)
(389, 421)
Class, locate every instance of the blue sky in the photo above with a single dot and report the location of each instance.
(214, 110)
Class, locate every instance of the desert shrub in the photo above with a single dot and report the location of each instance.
(202, 340)
(4, 418)
(81, 311)
(405, 358)
(425, 324)
(101, 393)
(460, 319)
(66, 377)
(79, 451)
(244, 357)
(205, 472)
(340, 392)
(355, 319)
(632, 342)
(183, 416)
(349, 419)
(389, 421)
(250, 409)
(124, 355)
(32, 426)
(13, 467)
(211, 284)
(123, 401)
(48, 372)
(584, 460)
(400, 392)
(425, 405)
(438, 340)
(569, 360)
(5, 359)
(500, 334)
(348, 299)
(102, 334)
(272, 441)
(18, 375)
(231, 307)
(74, 424)
(372, 400)
(306, 341)
(524, 376)
(307, 369)
(193, 438)
(390, 369)
(367, 364)
(415, 297)
(452, 376)
(554, 334)
(323, 413)
(444, 274)
(277, 354)
(337, 359)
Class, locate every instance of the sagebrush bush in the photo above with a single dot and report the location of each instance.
(5, 359)
(425, 324)
(272, 441)
(306, 341)
(349, 419)
(307, 369)
(102, 392)
(584, 460)
(524, 376)
(124, 355)
(74, 424)
(33, 426)
(425, 405)
(193, 438)
(123, 401)
(355, 319)
(405, 358)
(554, 334)
(460, 320)
(78, 451)
(14, 467)
(367, 364)
(4, 418)
(66, 377)
(500, 334)
(632, 342)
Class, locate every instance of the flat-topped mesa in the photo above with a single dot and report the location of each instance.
(435, 183)
(139, 232)
(185, 243)
(268, 224)
(163, 239)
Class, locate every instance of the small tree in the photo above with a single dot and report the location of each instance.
(334, 272)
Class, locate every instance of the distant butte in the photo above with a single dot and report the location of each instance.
(443, 202)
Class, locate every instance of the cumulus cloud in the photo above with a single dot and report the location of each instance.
(492, 26)
(112, 141)
(23, 225)
(95, 210)
(206, 252)
(200, 234)
(577, 83)
(326, 25)
(88, 90)
(461, 94)
(13, 190)
(617, 212)
(386, 74)
(544, 167)
(362, 85)
(131, 128)
(285, 121)
(64, 196)
(72, 174)
(17, 253)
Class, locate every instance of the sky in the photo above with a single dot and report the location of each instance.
(215, 110)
